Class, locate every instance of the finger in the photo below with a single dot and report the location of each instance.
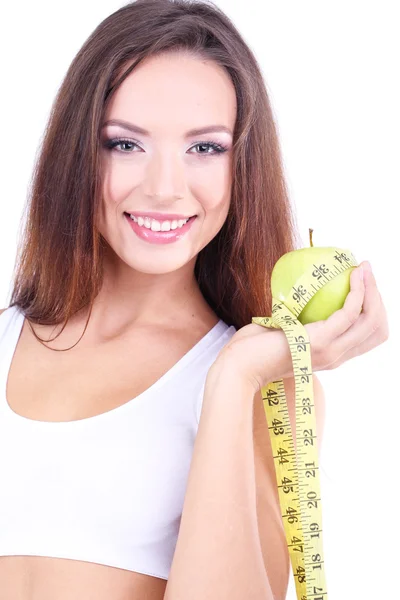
(372, 299)
(370, 321)
(341, 320)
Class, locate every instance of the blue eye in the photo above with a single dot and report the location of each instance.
(115, 142)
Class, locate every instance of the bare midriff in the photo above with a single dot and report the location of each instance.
(45, 578)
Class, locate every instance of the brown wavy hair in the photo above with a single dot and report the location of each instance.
(59, 263)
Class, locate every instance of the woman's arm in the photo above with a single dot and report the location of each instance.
(218, 554)
(270, 524)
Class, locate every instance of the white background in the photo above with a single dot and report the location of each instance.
(331, 69)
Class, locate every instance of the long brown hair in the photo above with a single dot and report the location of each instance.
(58, 268)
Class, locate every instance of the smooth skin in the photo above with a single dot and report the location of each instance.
(347, 333)
(150, 299)
(256, 355)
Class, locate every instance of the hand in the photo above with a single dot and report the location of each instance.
(262, 355)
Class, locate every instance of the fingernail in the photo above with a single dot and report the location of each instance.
(361, 273)
(368, 266)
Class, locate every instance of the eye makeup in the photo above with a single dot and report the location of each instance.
(112, 143)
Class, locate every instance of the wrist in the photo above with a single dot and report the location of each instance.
(256, 369)
(228, 398)
(225, 371)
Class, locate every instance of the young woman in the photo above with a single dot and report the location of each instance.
(158, 210)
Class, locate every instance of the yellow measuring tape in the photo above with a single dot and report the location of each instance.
(297, 473)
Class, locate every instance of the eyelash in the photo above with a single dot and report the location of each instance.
(218, 148)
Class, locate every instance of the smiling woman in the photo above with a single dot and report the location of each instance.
(120, 308)
(165, 165)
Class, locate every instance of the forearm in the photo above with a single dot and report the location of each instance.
(218, 554)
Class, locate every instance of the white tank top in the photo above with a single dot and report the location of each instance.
(107, 489)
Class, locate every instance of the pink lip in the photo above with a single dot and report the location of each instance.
(159, 237)
(160, 216)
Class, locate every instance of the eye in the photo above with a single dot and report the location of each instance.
(111, 144)
(217, 148)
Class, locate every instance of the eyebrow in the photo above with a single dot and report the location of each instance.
(136, 129)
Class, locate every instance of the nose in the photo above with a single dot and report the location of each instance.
(165, 178)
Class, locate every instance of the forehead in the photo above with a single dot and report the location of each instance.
(176, 90)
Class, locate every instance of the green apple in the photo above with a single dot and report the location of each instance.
(292, 265)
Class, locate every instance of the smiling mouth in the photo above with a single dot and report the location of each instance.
(158, 236)
(135, 219)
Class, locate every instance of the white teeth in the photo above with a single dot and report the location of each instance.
(157, 225)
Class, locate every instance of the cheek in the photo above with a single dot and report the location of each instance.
(213, 189)
(119, 181)
(215, 211)
(209, 184)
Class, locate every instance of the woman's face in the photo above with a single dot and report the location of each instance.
(167, 170)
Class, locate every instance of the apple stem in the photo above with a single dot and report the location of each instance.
(311, 232)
